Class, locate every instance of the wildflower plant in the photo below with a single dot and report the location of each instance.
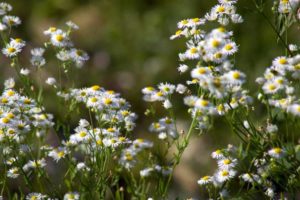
(102, 158)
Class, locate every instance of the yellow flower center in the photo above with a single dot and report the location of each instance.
(228, 47)
(11, 132)
(196, 20)
(202, 70)
(93, 99)
(221, 9)
(10, 115)
(215, 43)
(168, 121)
(218, 55)
(125, 113)
(5, 120)
(193, 50)
(20, 126)
(99, 142)
(52, 29)
(11, 50)
(42, 117)
(113, 141)
(96, 87)
(217, 82)
(156, 125)
(224, 173)
(82, 134)
(160, 94)
(233, 100)
(282, 61)
(61, 154)
(128, 157)
(140, 140)
(227, 161)
(33, 197)
(178, 32)
(277, 150)
(297, 67)
(184, 22)
(27, 101)
(221, 29)
(11, 22)
(150, 88)
(10, 93)
(204, 103)
(111, 130)
(4, 100)
(18, 40)
(272, 87)
(107, 101)
(218, 151)
(220, 108)
(59, 37)
(236, 75)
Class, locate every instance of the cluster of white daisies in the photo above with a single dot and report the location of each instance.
(113, 114)
(59, 39)
(279, 84)
(260, 174)
(21, 119)
(219, 85)
(64, 47)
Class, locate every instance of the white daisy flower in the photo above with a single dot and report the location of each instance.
(227, 163)
(51, 81)
(230, 48)
(11, 20)
(3, 27)
(60, 39)
(271, 87)
(72, 25)
(203, 104)
(50, 31)
(13, 172)
(192, 53)
(201, 73)
(82, 166)
(25, 71)
(72, 196)
(178, 34)
(294, 109)
(183, 68)
(4, 8)
(35, 196)
(181, 89)
(235, 77)
(58, 153)
(225, 175)
(167, 104)
(183, 24)
(277, 152)
(205, 180)
(146, 172)
(218, 154)
(11, 50)
(166, 88)
(78, 56)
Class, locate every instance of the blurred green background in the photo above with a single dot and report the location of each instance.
(128, 41)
